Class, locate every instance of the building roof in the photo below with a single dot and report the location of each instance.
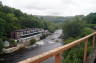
(26, 29)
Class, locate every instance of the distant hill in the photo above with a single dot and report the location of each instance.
(54, 18)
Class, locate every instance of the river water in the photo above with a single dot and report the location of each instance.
(49, 43)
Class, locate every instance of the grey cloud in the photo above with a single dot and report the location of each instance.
(36, 7)
(53, 7)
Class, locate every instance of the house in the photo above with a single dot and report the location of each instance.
(24, 35)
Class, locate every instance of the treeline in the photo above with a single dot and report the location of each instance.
(13, 19)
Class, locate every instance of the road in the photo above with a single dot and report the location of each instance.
(49, 43)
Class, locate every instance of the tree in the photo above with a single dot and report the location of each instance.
(2, 27)
(6, 9)
(73, 27)
(18, 13)
(91, 18)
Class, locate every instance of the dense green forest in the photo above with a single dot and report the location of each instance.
(12, 19)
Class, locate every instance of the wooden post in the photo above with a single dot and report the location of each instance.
(85, 51)
(93, 41)
(58, 58)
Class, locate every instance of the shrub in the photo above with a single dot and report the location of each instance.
(43, 36)
(32, 41)
(71, 55)
(70, 40)
(86, 31)
(91, 26)
(12, 42)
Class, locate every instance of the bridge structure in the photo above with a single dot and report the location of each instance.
(56, 53)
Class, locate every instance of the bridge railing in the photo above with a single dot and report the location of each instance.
(58, 51)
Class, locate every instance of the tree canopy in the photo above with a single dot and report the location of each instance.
(91, 18)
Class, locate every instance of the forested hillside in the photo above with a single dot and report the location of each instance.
(56, 19)
(12, 19)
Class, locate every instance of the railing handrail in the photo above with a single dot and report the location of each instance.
(56, 51)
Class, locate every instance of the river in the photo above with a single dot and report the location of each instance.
(49, 43)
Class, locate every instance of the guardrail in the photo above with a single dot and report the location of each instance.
(57, 52)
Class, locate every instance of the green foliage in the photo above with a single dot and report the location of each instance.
(75, 54)
(70, 40)
(33, 41)
(71, 55)
(91, 25)
(12, 42)
(52, 27)
(73, 30)
(91, 18)
(86, 31)
(2, 27)
(1, 45)
(73, 27)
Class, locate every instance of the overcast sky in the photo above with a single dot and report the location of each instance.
(53, 7)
